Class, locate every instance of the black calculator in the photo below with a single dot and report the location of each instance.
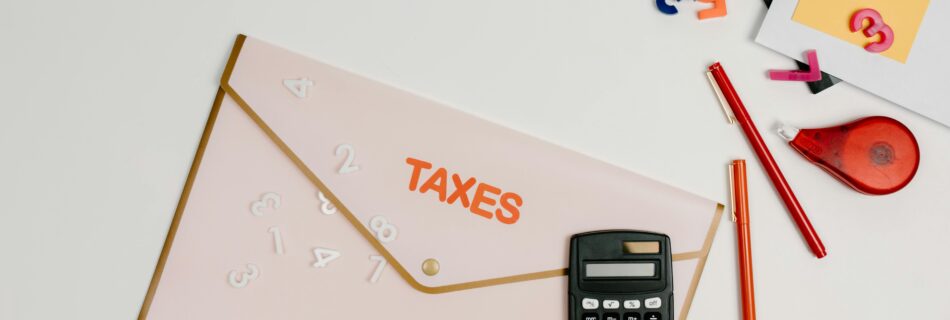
(620, 275)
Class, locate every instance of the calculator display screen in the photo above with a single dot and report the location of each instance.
(627, 270)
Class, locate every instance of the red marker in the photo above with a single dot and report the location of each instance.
(728, 95)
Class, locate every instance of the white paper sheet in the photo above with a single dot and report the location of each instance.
(920, 84)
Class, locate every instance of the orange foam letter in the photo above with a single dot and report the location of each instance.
(508, 206)
(481, 198)
(461, 190)
(417, 166)
(437, 182)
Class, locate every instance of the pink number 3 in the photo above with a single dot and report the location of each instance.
(876, 26)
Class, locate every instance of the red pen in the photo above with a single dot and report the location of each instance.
(740, 214)
(727, 95)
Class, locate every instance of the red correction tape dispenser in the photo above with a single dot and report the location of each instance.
(874, 155)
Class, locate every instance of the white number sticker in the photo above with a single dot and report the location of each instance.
(252, 273)
(298, 86)
(325, 206)
(278, 240)
(347, 165)
(268, 200)
(385, 231)
(379, 268)
(324, 256)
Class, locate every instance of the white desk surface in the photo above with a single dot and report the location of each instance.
(102, 104)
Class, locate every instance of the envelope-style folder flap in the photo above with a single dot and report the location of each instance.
(452, 200)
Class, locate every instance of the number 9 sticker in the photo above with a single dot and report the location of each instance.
(876, 26)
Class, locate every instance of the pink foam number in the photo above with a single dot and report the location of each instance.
(813, 73)
(876, 26)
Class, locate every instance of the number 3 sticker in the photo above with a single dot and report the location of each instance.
(268, 200)
(326, 207)
(245, 276)
(876, 26)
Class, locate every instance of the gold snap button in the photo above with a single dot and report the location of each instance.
(430, 267)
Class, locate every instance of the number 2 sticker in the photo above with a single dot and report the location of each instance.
(347, 165)
(876, 26)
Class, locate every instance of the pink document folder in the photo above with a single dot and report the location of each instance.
(317, 193)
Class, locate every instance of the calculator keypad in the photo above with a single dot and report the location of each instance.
(631, 316)
(628, 307)
(631, 304)
(590, 304)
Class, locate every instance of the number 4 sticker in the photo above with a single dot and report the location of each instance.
(324, 256)
(298, 86)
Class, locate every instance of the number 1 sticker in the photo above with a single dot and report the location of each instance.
(278, 240)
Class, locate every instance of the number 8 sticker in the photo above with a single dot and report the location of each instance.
(385, 231)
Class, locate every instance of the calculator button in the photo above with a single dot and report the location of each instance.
(631, 304)
(653, 303)
(631, 316)
(590, 304)
(590, 316)
(611, 316)
(611, 304)
(653, 316)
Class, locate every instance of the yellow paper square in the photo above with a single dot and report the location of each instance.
(833, 17)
